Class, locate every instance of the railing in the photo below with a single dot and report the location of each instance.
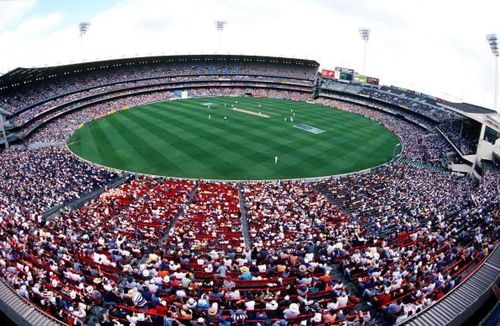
(33, 317)
(84, 197)
(457, 305)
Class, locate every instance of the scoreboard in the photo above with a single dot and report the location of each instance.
(348, 75)
(325, 73)
(372, 80)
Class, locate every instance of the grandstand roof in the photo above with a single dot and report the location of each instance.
(20, 76)
(470, 108)
(476, 113)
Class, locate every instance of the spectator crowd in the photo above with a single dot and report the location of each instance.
(363, 249)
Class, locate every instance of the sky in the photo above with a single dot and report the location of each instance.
(436, 47)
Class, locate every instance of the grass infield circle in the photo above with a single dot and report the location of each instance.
(234, 138)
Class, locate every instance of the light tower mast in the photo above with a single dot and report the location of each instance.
(365, 36)
(219, 25)
(493, 42)
(83, 27)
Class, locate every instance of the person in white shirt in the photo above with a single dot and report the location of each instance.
(342, 299)
(250, 305)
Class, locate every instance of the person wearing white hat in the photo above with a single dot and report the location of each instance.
(110, 298)
(214, 314)
(152, 287)
(93, 293)
(209, 268)
(108, 286)
(199, 322)
(292, 311)
(23, 292)
(273, 305)
(191, 303)
(316, 320)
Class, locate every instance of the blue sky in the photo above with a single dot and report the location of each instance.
(437, 47)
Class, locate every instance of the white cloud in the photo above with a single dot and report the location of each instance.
(438, 47)
(12, 11)
(34, 26)
(28, 44)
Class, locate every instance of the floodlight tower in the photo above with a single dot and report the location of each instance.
(219, 25)
(365, 36)
(493, 42)
(83, 27)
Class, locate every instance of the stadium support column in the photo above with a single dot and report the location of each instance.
(317, 86)
(4, 133)
(495, 103)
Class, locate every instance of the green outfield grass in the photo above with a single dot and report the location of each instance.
(185, 138)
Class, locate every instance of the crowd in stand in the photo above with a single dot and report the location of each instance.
(211, 221)
(155, 251)
(59, 130)
(147, 82)
(419, 143)
(370, 103)
(434, 228)
(434, 145)
(32, 181)
(157, 93)
(387, 196)
(466, 143)
(166, 252)
(112, 252)
(412, 101)
(100, 76)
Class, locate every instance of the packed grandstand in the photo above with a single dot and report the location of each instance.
(377, 247)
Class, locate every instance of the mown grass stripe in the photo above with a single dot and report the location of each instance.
(130, 154)
(176, 138)
(257, 142)
(88, 142)
(150, 153)
(144, 121)
(106, 149)
(208, 140)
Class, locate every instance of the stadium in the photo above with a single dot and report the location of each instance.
(243, 190)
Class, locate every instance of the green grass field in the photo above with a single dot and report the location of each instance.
(185, 138)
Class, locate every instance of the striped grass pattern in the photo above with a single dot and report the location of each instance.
(184, 138)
